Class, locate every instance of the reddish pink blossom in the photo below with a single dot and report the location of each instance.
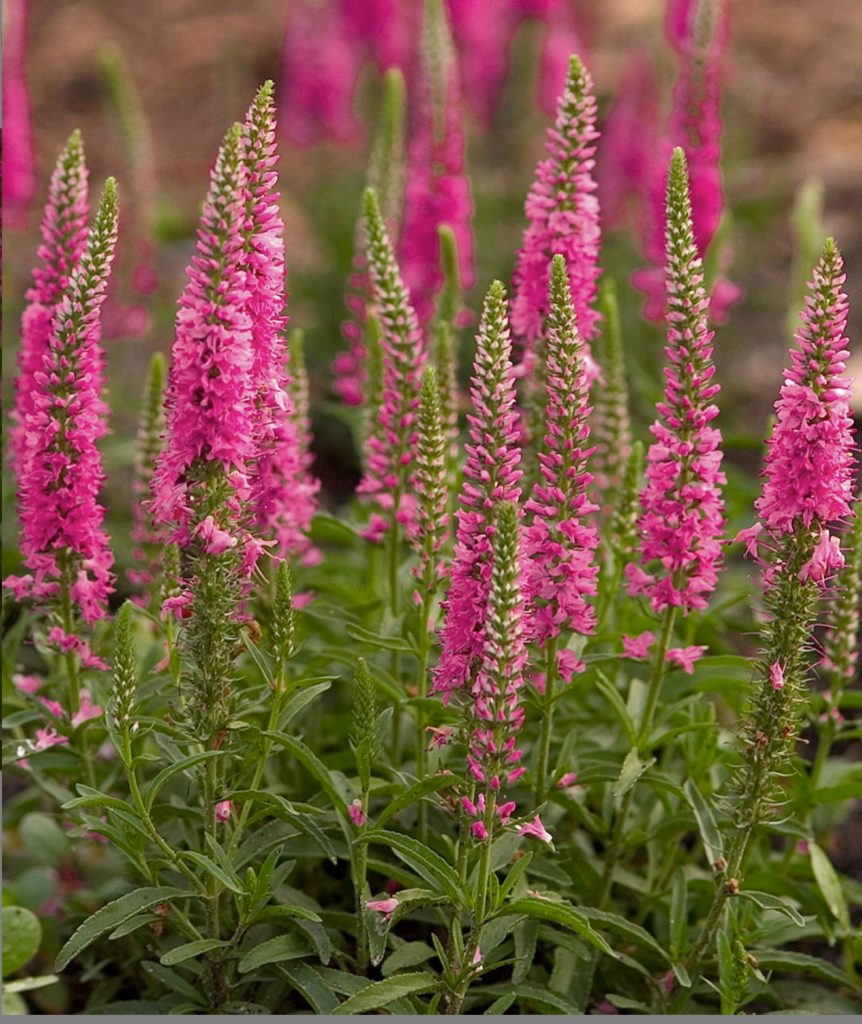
(638, 647)
(568, 664)
(86, 711)
(19, 164)
(537, 829)
(491, 475)
(479, 831)
(825, 561)
(683, 512)
(223, 810)
(319, 74)
(357, 815)
(387, 28)
(808, 470)
(566, 780)
(563, 214)
(685, 657)
(215, 540)
(53, 706)
(26, 684)
(776, 675)
(437, 190)
(385, 907)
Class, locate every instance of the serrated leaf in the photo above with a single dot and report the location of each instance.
(307, 981)
(631, 771)
(166, 774)
(115, 913)
(829, 884)
(383, 993)
(709, 832)
(173, 981)
(217, 872)
(432, 784)
(535, 996)
(766, 901)
(93, 798)
(409, 955)
(189, 950)
(559, 913)
(273, 951)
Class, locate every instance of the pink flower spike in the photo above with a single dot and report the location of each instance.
(569, 779)
(638, 647)
(19, 165)
(537, 829)
(356, 814)
(384, 907)
(685, 657)
(776, 675)
(223, 810)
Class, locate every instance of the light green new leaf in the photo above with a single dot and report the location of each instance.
(829, 883)
(631, 771)
(22, 934)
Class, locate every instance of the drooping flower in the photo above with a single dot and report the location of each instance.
(438, 191)
(223, 810)
(491, 475)
(683, 512)
(808, 468)
(211, 413)
(62, 540)
(560, 538)
(19, 165)
(392, 446)
(563, 214)
(86, 711)
(64, 236)
(537, 829)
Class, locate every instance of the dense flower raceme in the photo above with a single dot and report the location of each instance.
(211, 414)
(437, 191)
(491, 475)
(64, 236)
(808, 471)
(62, 540)
(560, 538)
(282, 508)
(563, 214)
(19, 165)
(683, 513)
(392, 445)
(431, 485)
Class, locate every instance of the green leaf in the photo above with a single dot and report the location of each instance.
(517, 871)
(631, 771)
(536, 997)
(177, 768)
(559, 913)
(93, 798)
(500, 1005)
(627, 929)
(387, 643)
(612, 696)
(307, 981)
(709, 833)
(382, 993)
(424, 861)
(432, 784)
(179, 954)
(274, 913)
(273, 951)
(679, 915)
(409, 955)
(28, 984)
(302, 698)
(312, 764)
(115, 913)
(215, 870)
(22, 934)
(766, 901)
(801, 963)
(173, 981)
(13, 1004)
(829, 883)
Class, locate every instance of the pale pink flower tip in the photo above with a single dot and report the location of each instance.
(685, 657)
(776, 675)
(223, 809)
(825, 559)
(638, 646)
(537, 829)
(384, 907)
(356, 814)
(569, 779)
(477, 956)
(86, 711)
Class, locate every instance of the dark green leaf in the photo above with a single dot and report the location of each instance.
(709, 832)
(382, 993)
(190, 950)
(801, 963)
(631, 771)
(273, 951)
(424, 861)
(432, 784)
(559, 913)
(829, 884)
(766, 901)
(177, 768)
(210, 866)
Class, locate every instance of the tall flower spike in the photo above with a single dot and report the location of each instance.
(808, 468)
(19, 165)
(430, 484)
(683, 512)
(560, 540)
(438, 191)
(64, 236)
(563, 214)
(392, 446)
(63, 543)
(125, 695)
(212, 424)
(611, 428)
(495, 715)
(386, 177)
(447, 318)
(491, 475)
(306, 485)
(149, 540)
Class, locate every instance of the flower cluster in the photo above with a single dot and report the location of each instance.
(683, 513)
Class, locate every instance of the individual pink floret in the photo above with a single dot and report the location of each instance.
(685, 657)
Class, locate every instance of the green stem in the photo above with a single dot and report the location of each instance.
(658, 673)
(361, 875)
(421, 753)
(547, 721)
(216, 964)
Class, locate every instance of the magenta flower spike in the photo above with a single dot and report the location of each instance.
(561, 40)
(212, 421)
(483, 31)
(491, 475)
(281, 508)
(563, 214)
(438, 191)
(64, 236)
(19, 163)
(392, 446)
(560, 538)
(808, 470)
(62, 540)
(682, 522)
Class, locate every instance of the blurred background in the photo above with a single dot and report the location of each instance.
(153, 85)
